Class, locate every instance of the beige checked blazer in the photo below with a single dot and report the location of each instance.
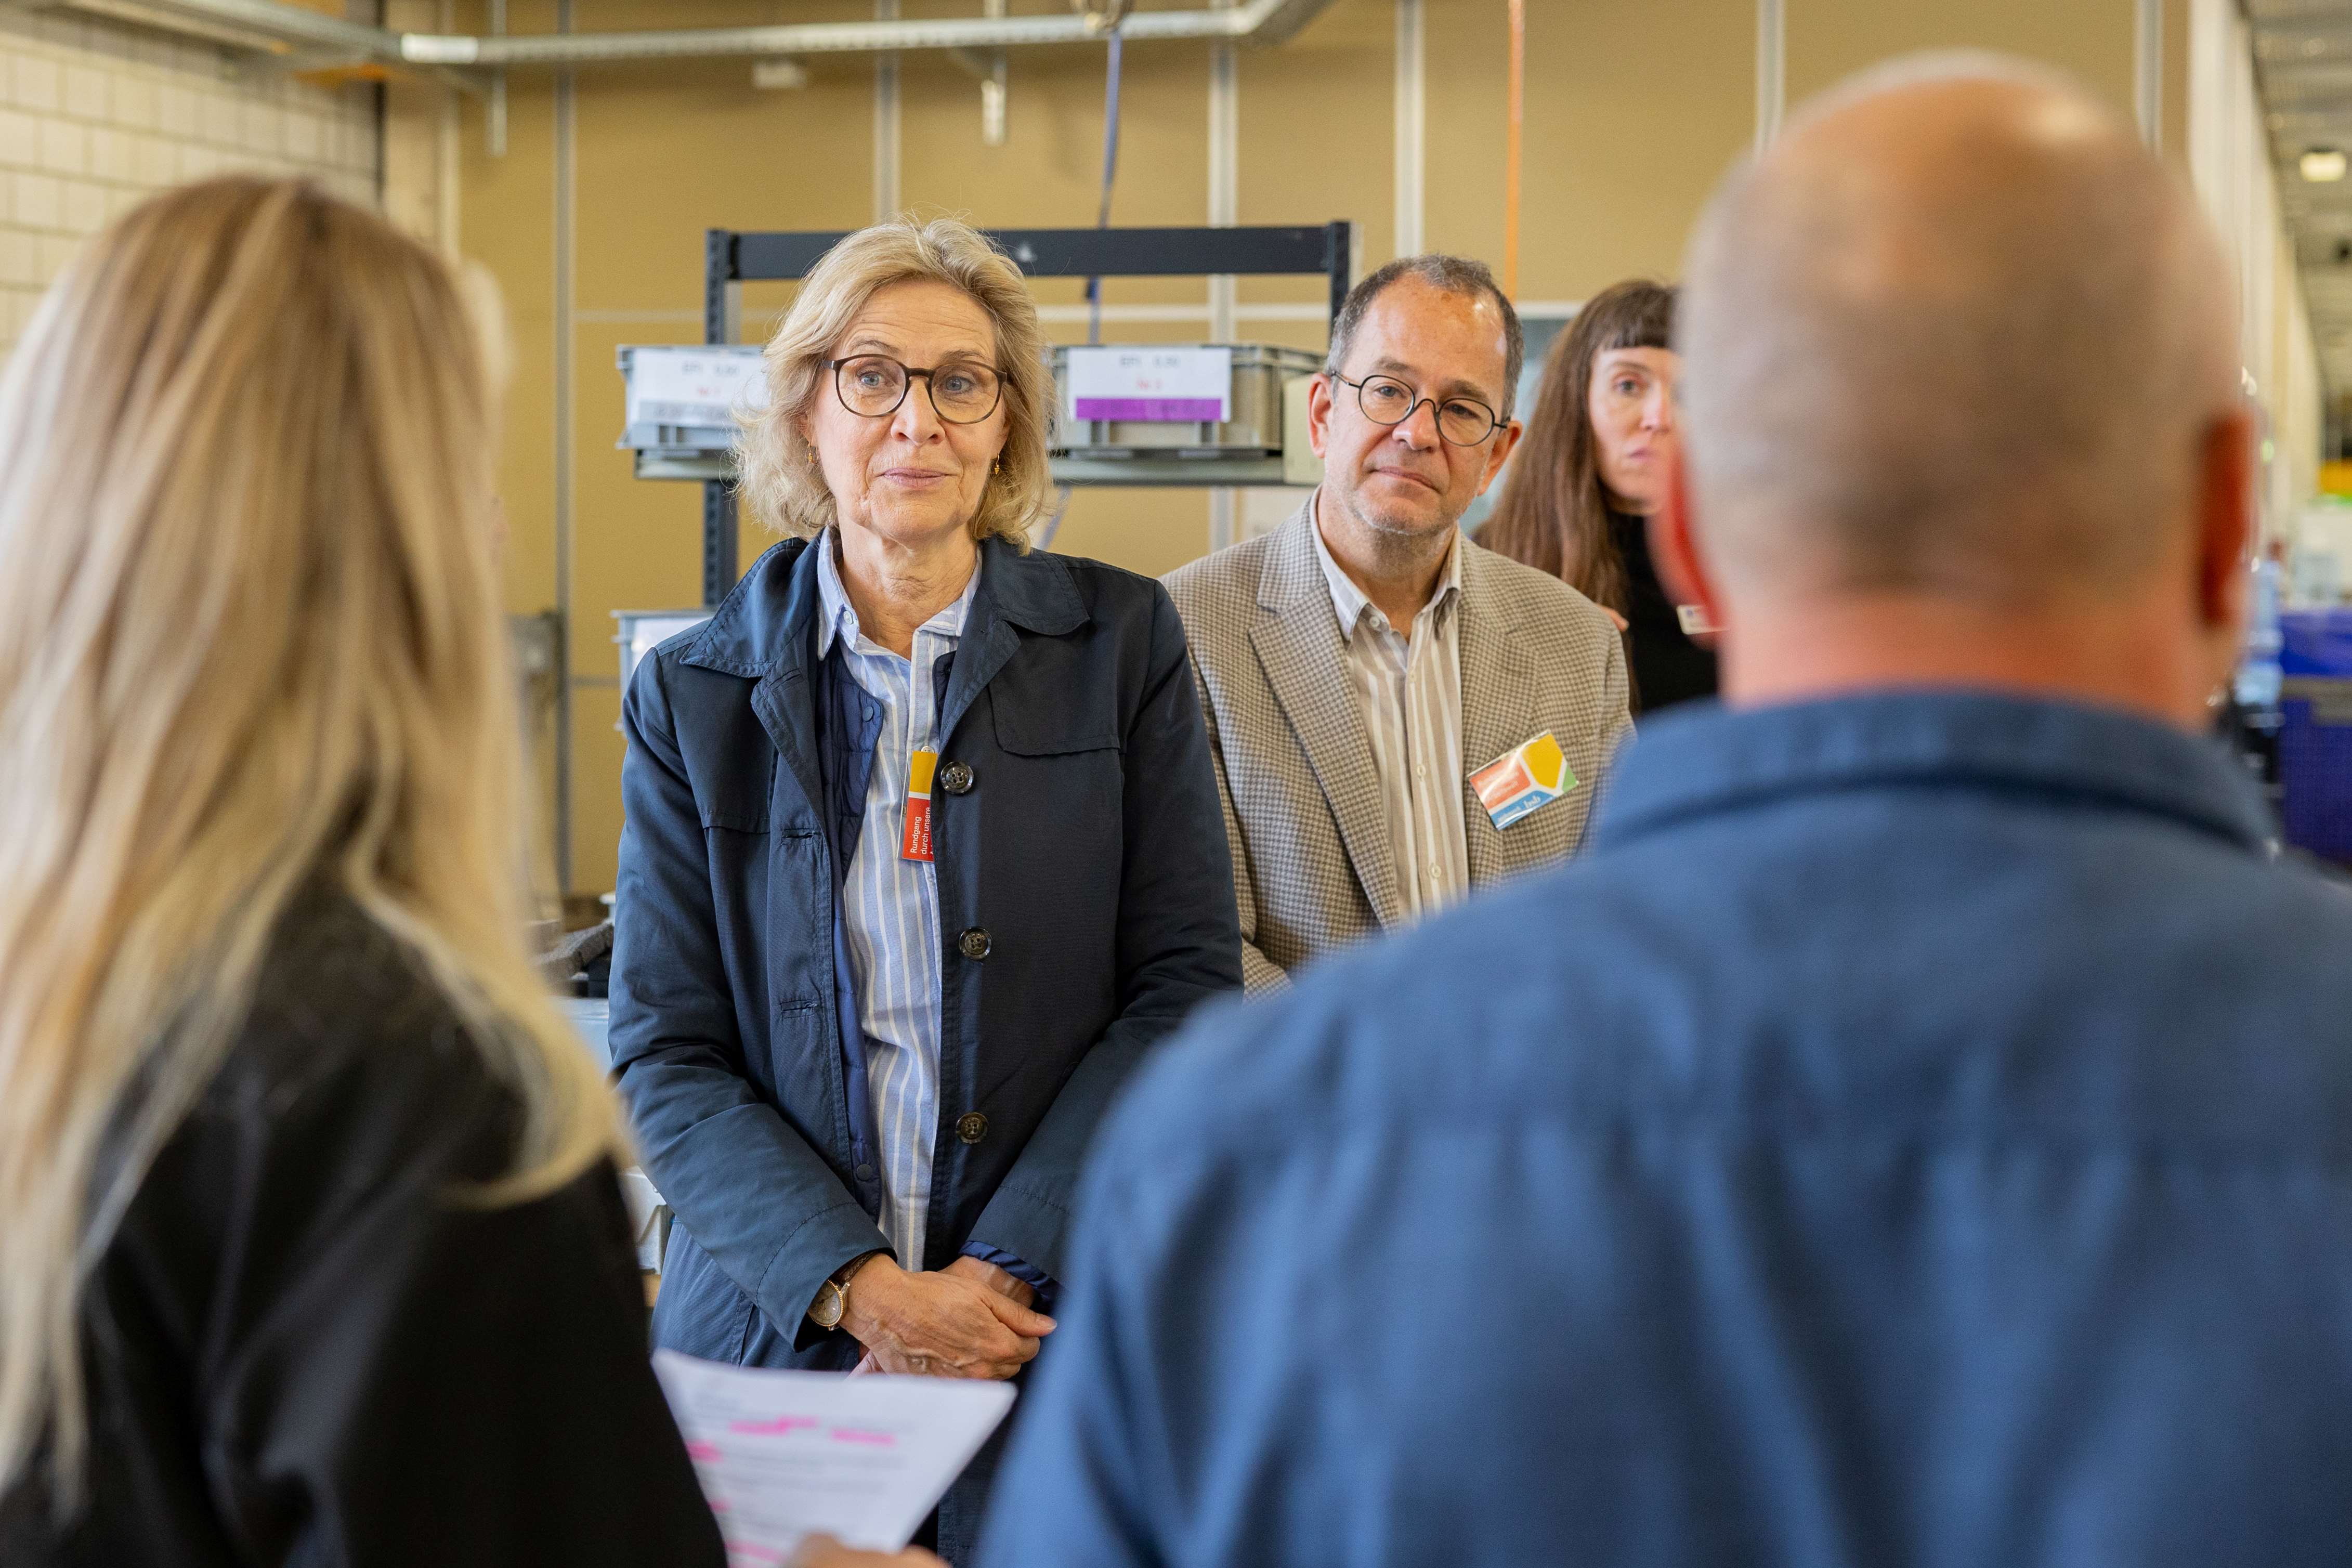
(1312, 864)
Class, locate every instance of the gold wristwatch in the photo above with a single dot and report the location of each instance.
(833, 1296)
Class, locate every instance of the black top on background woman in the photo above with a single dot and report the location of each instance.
(1593, 467)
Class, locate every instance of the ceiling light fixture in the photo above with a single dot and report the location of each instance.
(2323, 165)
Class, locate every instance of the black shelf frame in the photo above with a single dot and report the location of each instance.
(732, 258)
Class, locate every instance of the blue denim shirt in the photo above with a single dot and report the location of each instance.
(1919, 1131)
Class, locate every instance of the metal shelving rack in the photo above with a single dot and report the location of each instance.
(732, 258)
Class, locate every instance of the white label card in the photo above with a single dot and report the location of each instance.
(1179, 386)
(786, 1454)
(694, 386)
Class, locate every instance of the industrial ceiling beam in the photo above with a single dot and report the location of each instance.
(1259, 21)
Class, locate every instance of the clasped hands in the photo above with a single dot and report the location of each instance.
(969, 1319)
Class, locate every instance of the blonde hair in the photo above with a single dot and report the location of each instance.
(251, 639)
(780, 475)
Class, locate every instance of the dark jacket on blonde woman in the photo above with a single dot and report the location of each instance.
(305, 1345)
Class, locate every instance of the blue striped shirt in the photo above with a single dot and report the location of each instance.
(890, 905)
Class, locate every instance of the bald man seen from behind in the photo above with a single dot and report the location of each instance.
(1920, 1129)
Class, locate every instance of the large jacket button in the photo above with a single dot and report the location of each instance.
(974, 943)
(971, 1127)
(955, 778)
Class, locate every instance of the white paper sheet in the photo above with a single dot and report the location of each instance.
(783, 1455)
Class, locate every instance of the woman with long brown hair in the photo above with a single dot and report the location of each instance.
(1593, 468)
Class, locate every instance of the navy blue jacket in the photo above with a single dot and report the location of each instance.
(1088, 847)
(1918, 1132)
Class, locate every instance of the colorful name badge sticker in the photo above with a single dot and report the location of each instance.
(917, 844)
(1529, 775)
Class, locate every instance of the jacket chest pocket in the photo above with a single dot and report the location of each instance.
(1057, 819)
(769, 891)
(799, 936)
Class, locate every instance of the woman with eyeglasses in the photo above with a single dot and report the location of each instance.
(923, 853)
(1577, 499)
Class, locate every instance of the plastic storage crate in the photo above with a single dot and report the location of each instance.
(681, 402)
(1254, 398)
(2316, 742)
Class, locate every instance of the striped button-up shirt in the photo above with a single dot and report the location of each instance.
(1409, 689)
(890, 905)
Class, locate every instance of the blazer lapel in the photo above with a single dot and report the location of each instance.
(1499, 680)
(1301, 652)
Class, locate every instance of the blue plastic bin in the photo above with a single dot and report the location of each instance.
(2315, 743)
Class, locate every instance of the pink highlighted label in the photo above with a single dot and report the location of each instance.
(783, 1425)
(871, 1439)
(1152, 410)
(703, 1453)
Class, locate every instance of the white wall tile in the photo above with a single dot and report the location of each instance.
(20, 140)
(259, 126)
(111, 156)
(85, 206)
(94, 118)
(37, 83)
(217, 119)
(65, 147)
(134, 100)
(40, 202)
(176, 109)
(155, 160)
(86, 92)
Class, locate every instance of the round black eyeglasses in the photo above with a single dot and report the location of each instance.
(1461, 421)
(874, 386)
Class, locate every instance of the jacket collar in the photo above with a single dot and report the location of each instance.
(1292, 573)
(768, 622)
(838, 618)
(1706, 759)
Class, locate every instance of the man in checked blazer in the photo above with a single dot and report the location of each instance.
(1360, 663)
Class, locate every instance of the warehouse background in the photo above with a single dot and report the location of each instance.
(590, 210)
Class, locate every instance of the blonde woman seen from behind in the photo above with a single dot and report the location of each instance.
(310, 1247)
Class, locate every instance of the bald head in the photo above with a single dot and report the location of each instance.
(1956, 332)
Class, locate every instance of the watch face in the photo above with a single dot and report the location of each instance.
(826, 1313)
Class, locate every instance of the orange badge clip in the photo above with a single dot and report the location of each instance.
(917, 844)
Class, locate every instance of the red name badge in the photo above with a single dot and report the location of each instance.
(917, 844)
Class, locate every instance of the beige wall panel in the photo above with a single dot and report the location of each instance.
(596, 752)
(1317, 137)
(2175, 83)
(667, 152)
(1633, 113)
(1830, 39)
(635, 544)
(508, 225)
(1468, 57)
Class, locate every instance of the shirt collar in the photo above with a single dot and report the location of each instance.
(1703, 759)
(1348, 601)
(838, 618)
